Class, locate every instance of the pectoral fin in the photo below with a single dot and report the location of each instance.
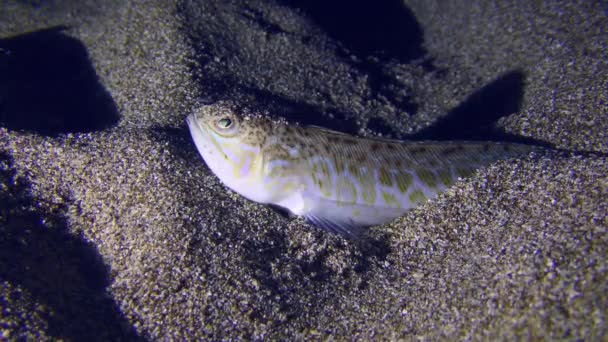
(339, 225)
(346, 219)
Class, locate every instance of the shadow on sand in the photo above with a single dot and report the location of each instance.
(61, 271)
(48, 86)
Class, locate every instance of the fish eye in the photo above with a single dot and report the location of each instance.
(224, 123)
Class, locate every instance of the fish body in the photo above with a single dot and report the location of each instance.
(336, 181)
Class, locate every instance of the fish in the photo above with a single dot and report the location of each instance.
(337, 182)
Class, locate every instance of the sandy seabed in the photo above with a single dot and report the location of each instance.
(112, 227)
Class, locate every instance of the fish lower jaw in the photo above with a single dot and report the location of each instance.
(249, 190)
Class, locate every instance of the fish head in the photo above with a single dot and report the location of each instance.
(231, 144)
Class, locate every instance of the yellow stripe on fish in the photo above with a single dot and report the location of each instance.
(336, 181)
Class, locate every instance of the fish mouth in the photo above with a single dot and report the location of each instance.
(198, 133)
(203, 138)
(192, 122)
(195, 127)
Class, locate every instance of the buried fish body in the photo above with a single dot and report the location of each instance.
(336, 181)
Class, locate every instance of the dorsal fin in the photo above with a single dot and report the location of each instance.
(342, 134)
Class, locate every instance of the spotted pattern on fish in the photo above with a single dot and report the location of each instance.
(336, 181)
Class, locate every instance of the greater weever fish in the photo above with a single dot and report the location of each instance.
(335, 181)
